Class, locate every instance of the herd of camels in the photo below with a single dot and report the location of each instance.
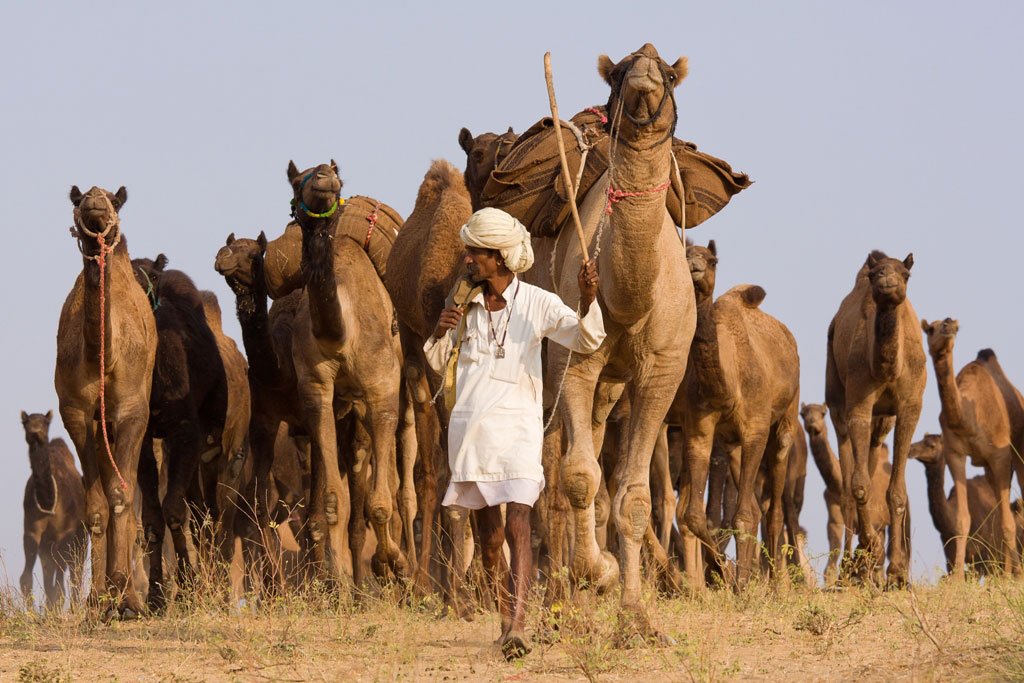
(679, 434)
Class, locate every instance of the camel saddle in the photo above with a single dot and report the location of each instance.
(371, 224)
(528, 183)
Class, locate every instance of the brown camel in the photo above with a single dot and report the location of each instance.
(740, 389)
(985, 536)
(827, 463)
(347, 356)
(982, 416)
(422, 268)
(483, 153)
(54, 509)
(647, 301)
(875, 369)
(267, 338)
(188, 406)
(127, 356)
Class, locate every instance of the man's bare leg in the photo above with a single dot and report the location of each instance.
(517, 533)
(492, 539)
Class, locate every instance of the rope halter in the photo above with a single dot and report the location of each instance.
(302, 205)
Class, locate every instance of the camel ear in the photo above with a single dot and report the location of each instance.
(231, 238)
(24, 417)
(873, 259)
(75, 195)
(465, 140)
(712, 248)
(679, 70)
(121, 196)
(334, 165)
(925, 326)
(160, 263)
(604, 67)
(293, 172)
(908, 262)
(802, 406)
(956, 326)
(49, 416)
(262, 241)
(510, 131)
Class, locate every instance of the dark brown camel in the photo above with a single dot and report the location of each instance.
(54, 509)
(267, 338)
(347, 356)
(875, 368)
(123, 319)
(483, 153)
(188, 403)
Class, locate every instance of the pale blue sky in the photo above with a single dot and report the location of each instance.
(871, 125)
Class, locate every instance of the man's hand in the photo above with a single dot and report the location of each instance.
(589, 282)
(450, 317)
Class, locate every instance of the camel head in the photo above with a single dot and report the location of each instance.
(240, 261)
(941, 335)
(642, 85)
(483, 153)
(148, 274)
(97, 213)
(37, 428)
(927, 450)
(813, 415)
(316, 191)
(703, 262)
(888, 278)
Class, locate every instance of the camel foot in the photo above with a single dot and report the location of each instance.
(896, 581)
(460, 611)
(606, 579)
(157, 602)
(513, 646)
(634, 629)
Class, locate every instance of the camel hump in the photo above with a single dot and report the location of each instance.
(751, 295)
(986, 355)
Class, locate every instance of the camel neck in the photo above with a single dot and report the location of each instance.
(91, 305)
(321, 282)
(887, 338)
(938, 503)
(826, 460)
(949, 392)
(632, 236)
(251, 307)
(43, 486)
(705, 355)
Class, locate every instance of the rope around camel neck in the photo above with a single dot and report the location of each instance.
(101, 261)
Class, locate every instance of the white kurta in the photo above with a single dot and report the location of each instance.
(495, 433)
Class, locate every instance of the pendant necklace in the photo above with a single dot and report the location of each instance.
(499, 352)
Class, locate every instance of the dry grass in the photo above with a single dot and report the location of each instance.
(970, 631)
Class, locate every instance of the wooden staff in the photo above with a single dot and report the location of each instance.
(566, 176)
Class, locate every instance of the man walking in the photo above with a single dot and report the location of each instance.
(495, 431)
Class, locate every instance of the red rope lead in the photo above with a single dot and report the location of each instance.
(616, 196)
(598, 112)
(101, 261)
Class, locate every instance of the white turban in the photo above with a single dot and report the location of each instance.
(494, 229)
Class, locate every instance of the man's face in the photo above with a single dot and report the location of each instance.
(481, 263)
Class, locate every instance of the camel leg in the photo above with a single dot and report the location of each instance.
(262, 548)
(699, 432)
(353, 439)
(580, 475)
(428, 433)
(152, 524)
(631, 507)
(661, 487)
(847, 504)
(49, 571)
(999, 475)
(899, 528)
(748, 512)
(181, 448)
(381, 422)
(957, 464)
(407, 482)
(457, 519)
(834, 530)
(777, 459)
(31, 544)
(83, 434)
(859, 425)
(556, 509)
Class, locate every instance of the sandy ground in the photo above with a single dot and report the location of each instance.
(972, 632)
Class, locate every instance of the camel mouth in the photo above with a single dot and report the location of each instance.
(35, 439)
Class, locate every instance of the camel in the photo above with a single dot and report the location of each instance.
(273, 385)
(982, 416)
(54, 507)
(122, 318)
(985, 536)
(825, 459)
(483, 153)
(875, 369)
(740, 389)
(188, 406)
(648, 306)
(347, 356)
